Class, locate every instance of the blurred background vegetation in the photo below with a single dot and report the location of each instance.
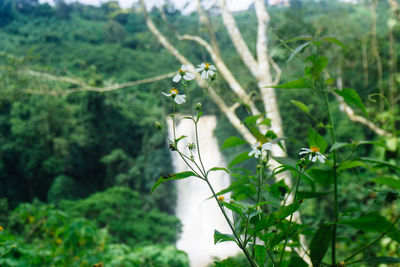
(76, 167)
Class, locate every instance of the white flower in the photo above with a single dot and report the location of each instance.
(179, 99)
(183, 72)
(313, 153)
(260, 149)
(206, 70)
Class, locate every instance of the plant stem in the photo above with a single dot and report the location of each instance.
(239, 241)
(336, 206)
(259, 184)
(290, 220)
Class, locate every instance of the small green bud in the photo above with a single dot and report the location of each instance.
(213, 77)
(157, 125)
(198, 106)
(258, 166)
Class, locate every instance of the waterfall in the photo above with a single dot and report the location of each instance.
(199, 216)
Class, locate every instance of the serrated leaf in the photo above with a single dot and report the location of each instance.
(352, 98)
(218, 169)
(338, 145)
(392, 182)
(220, 237)
(301, 106)
(296, 84)
(240, 158)
(315, 139)
(233, 141)
(176, 176)
(350, 164)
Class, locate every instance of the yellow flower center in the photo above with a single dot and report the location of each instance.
(182, 72)
(207, 66)
(1, 228)
(173, 91)
(221, 198)
(314, 149)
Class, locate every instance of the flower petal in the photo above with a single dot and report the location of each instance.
(204, 74)
(180, 99)
(314, 158)
(188, 76)
(303, 152)
(177, 78)
(267, 146)
(210, 72)
(320, 157)
(252, 152)
(199, 69)
(184, 68)
(202, 65)
(212, 67)
(166, 94)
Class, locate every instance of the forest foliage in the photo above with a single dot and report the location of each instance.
(73, 162)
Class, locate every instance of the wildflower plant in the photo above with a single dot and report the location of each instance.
(264, 226)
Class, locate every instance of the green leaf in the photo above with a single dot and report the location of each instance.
(320, 243)
(287, 162)
(322, 176)
(383, 260)
(260, 254)
(296, 261)
(350, 164)
(300, 38)
(218, 169)
(180, 138)
(335, 41)
(393, 182)
(338, 145)
(233, 207)
(240, 158)
(252, 120)
(351, 97)
(233, 141)
(298, 50)
(380, 162)
(301, 83)
(301, 106)
(370, 222)
(220, 237)
(176, 176)
(287, 210)
(305, 195)
(315, 139)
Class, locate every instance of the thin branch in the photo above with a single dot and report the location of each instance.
(237, 39)
(85, 87)
(278, 72)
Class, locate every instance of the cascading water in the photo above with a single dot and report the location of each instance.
(198, 214)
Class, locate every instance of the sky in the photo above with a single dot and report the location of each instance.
(233, 5)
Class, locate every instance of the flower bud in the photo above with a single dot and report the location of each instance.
(198, 106)
(157, 125)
